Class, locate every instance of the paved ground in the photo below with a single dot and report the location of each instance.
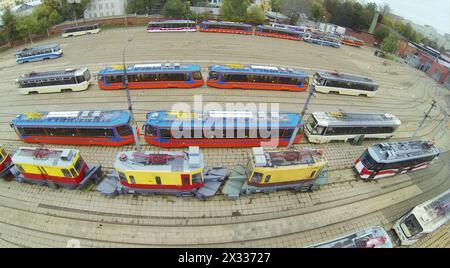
(32, 216)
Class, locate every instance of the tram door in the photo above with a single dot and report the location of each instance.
(185, 180)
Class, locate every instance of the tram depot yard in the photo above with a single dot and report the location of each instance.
(37, 216)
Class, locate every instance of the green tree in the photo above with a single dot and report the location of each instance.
(318, 12)
(175, 9)
(27, 26)
(66, 10)
(256, 15)
(46, 17)
(390, 43)
(234, 10)
(276, 5)
(381, 33)
(10, 25)
(408, 31)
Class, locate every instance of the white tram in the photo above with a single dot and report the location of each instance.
(346, 84)
(323, 127)
(55, 81)
(423, 219)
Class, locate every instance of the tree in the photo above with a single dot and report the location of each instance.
(408, 31)
(46, 17)
(293, 8)
(234, 10)
(318, 12)
(27, 26)
(66, 10)
(255, 15)
(175, 9)
(276, 5)
(9, 29)
(390, 43)
(381, 33)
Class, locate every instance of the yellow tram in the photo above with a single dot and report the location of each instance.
(271, 170)
(5, 161)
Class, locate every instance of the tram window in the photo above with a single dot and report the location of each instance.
(197, 75)
(66, 173)
(150, 77)
(132, 180)
(413, 226)
(124, 130)
(313, 174)
(257, 177)
(175, 77)
(113, 78)
(213, 75)
(197, 178)
(286, 133)
(80, 79)
(73, 172)
(32, 131)
(164, 133)
(151, 131)
(19, 167)
(158, 180)
(234, 78)
(62, 132)
(267, 179)
(79, 164)
(122, 177)
(367, 160)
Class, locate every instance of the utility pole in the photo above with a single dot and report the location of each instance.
(433, 104)
(130, 105)
(305, 107)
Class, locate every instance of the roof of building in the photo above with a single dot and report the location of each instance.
(152, 68)
(271, 158)
(217, 119)
(402, 150)
(45, 157)
(347, 78)
(37, 48)
(73, 119)
(355, 119)
(160, 161)
(257, 69)
(51, 74)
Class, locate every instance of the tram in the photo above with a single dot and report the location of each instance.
(284, 33)
(268, 171)
(226, 27)
(346, 84)
(54, 81)
(81, 30)
(372, 237)
(220, 128)
(389, 159)
(53, 167)
(300, 29)
(44, 52)
(351, 41)
(323, 127)
(322, 39)
(423, 219)
(171, 26)
(108, 128)
(257, 77)
(142, 76)
(5, 161)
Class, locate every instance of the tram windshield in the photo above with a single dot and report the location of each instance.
(313, 127)
(367, 160)
(411, 226)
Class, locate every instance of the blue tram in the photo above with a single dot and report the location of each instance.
(44, 52)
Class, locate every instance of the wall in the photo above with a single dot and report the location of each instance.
(364, 36)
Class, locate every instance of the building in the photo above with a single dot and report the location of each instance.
(105, 8)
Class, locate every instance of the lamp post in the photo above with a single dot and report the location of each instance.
(299, 124)
(130, 105)
(74, 10)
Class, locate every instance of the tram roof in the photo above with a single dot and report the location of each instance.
(225, 23)
(51, 74)
(73, 119)
(435, 212)
(171, 21)
(347, 78)
(402, 150)
(80, 26)
(160, 161)
(45, 157)
(167, 118)
(36, 48)
(272, 158)
(358, 239)
(257, 69)
(152, 68)
(279, 29)
(355, 119)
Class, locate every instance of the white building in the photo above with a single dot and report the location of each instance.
(105, 8)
